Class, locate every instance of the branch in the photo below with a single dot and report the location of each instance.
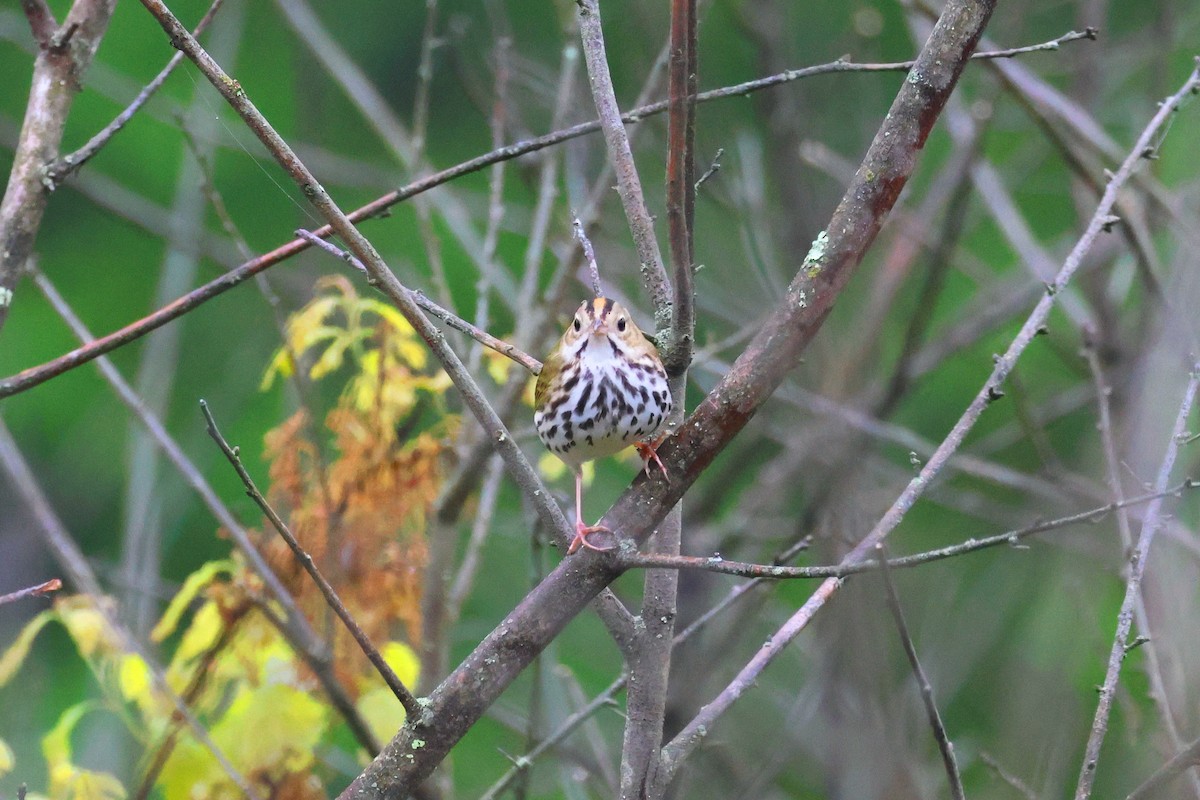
(42, 589)
(1185, 759)
(58, 74)
(690, 737)
(327, 591)
(1137, 568)
(498, 659)
(1012, 538)
(910, 650)
(629, 186)
(649, 662)
(33, 376)
(1153, 666)
(41, 21)
(449, 317)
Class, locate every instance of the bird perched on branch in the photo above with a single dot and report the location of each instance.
(602, 389)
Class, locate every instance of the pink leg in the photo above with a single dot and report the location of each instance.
(582, 530)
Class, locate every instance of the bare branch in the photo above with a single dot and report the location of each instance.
(589, 255)
(63, 167)
(689, 738)
(1137, 568)
(58, 74)
(1011, 538)
(41, 590)
(450, 318)
(1153, 669)
(1185, 759)
(41, 21)
(910, 650)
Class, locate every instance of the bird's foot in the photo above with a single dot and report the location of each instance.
(649, 453)
(582, 532)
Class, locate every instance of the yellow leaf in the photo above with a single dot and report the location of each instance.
(195, 582)
(281, 366)
(134, 677)
(56, 745)
(201, 634)
(404, 662)
(382, 712)
(191, 772)
(7, 759)
(11, 661)
(498, 366)
(377, 704)
(86, 625)
(273, 728)
(88, 785)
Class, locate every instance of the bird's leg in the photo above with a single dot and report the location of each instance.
(649, 453)
(583, 530)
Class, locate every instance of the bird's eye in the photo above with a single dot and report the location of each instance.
(621, 324)
(578, 325)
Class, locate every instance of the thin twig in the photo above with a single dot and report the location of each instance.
(910, 650)
(42, 589)
(1010, 538)
(1185, 759)
(41, 373)
(1137, 567)
(1004, 775)
(327, 591)
(449, 317)
(589, 255)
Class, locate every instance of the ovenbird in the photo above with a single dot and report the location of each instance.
(602, 389)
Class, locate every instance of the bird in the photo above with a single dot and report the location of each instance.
(601, 389)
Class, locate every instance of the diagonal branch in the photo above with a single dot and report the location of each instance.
(482, 676)
(910, 650)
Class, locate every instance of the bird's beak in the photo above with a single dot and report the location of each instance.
(599, 327)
